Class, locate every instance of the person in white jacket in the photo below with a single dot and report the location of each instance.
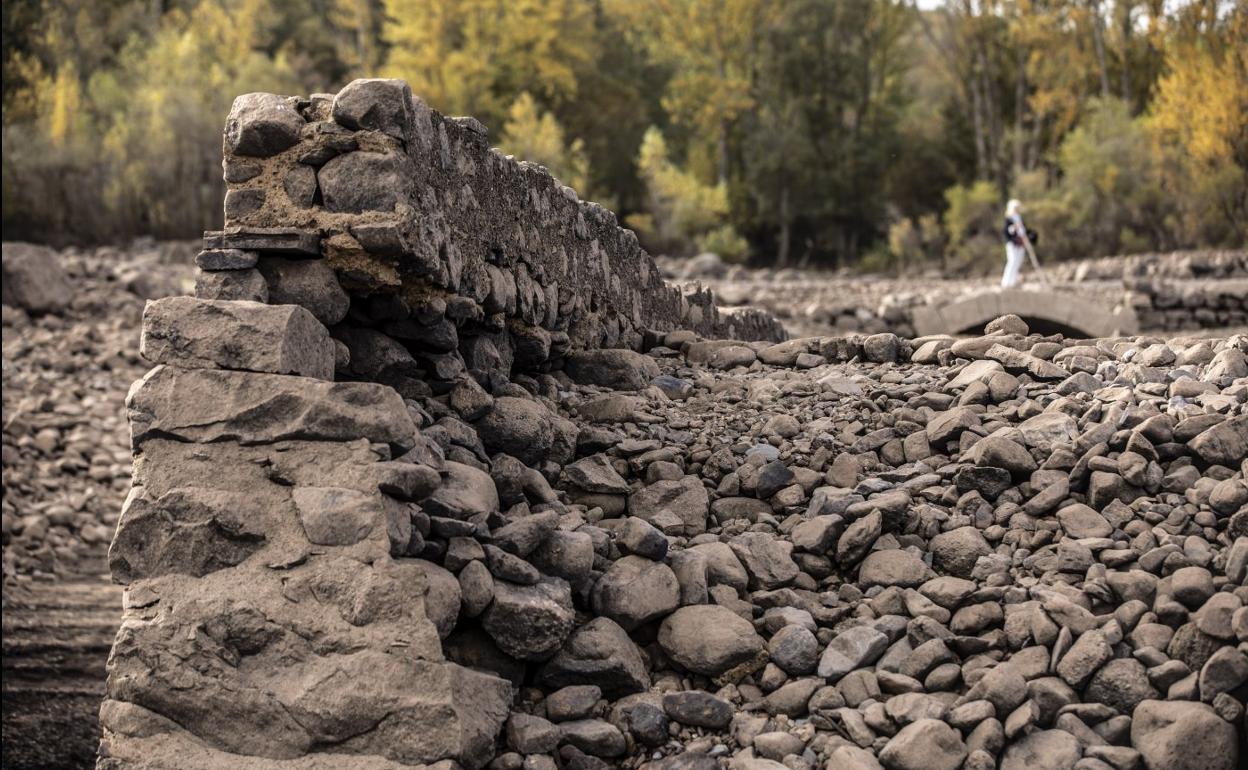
(1015, 247)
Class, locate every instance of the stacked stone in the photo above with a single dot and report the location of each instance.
(272, 530)
(1205, 264)
(1175, 306)
(268, 613)
(416, 210)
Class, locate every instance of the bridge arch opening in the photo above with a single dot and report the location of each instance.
(1037, 325)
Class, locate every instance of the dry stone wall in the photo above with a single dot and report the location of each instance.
(415, 207)
(1185, 305)
(285, 601)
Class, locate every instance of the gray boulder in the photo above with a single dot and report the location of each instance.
(1182, 735)
(361, 181)
(678, 507)
(850, 650)
(33, 279)
(599, 653)
(614, 368)
(465, 492)
(709, 639)
(926, 744)
(530, 622)
(196, 333)
(635, 591)
(767, 559)
(520, 427)
(309, 283)
(261, 125)
(698, 709)
(376, 104)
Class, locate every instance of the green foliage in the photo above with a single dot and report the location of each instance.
(134, 147)
(973, 219)
(817, 147)
(166, 101)
(475, 57)
(1109, 182)
(536, 136)
(683, 211)
(972, 210)
(1198, 122)
(783, 131)
(711, 49)
(726, 242)
(912, 244)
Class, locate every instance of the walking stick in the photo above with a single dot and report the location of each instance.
(1035, 263)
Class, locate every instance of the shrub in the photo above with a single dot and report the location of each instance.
(686, 214)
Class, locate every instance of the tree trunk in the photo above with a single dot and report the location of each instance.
(1098, 41)
(1020, 105)
(723, 151)
(1124, 22)
(723, 128)
(995, 163)
(786, 228)
(363, 24)
(977, 121)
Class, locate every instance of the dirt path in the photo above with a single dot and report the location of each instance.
(56, 641)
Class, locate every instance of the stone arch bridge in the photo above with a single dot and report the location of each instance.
(1047, 311)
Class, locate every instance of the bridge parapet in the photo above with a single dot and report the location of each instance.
(1044, 310)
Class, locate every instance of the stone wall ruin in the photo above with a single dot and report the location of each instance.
(292, 503)
(413, 511)
(406, 204)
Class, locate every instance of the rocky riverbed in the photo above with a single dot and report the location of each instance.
(1003, 551)
(70, 327)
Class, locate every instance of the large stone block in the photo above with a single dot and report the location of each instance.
(618, 369)
(231, 285)
(190, 531)
(309, 283)
(299, 660)
(267, 240)
(1225, 443)
(364, 181)
(204, 406)
(377, 104)
(33, 279)
(262, 125)
(197, 333)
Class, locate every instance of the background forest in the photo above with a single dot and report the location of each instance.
(867, 133)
